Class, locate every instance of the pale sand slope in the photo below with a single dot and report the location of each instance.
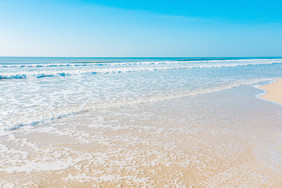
(201, 141)
(273, 91)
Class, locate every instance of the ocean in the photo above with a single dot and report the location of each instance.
(37, 89)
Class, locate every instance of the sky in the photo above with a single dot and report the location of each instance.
(146, 28)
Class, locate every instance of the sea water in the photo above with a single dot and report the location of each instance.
(38, 90)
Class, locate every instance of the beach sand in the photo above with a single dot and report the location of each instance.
(200, 141)
(273, 91)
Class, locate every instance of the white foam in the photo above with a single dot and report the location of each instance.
(46, 115)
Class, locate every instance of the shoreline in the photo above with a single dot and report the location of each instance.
(273, 91)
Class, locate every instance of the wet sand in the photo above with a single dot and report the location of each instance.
(273, 91)
(200, 141)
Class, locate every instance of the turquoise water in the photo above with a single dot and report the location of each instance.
(39, 90)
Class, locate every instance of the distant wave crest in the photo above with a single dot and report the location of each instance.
(41, 73)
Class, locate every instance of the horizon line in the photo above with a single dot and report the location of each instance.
(144, 56)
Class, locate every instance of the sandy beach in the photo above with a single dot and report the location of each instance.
(273, 91)
(199, 141)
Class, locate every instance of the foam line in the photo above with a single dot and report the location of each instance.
(70, 110)
(41, 74)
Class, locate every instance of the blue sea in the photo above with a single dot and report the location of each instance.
(35, 90)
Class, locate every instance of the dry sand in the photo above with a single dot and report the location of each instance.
(273, 91)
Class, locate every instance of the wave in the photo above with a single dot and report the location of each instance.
(48, 115)
(84, 64)
(46, 73)
(98, 64)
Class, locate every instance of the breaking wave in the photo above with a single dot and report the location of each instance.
(19, 74)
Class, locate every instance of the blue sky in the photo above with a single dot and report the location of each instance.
(147, 28)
